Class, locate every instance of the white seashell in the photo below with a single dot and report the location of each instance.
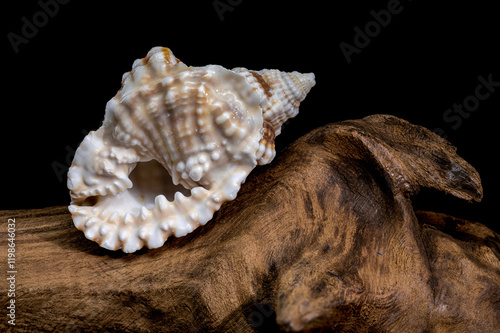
(175, 144)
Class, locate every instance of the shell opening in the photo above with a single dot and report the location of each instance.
(91, 201)
(151, 179)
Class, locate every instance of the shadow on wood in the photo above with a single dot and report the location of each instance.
(325, 238)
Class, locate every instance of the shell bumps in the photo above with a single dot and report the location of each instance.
(175, 144)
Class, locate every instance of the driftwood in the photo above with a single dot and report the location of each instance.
(323, 238)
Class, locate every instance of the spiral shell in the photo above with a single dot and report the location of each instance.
(175, 144)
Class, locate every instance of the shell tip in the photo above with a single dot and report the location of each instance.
(307, 81)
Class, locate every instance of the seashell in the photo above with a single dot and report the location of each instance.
(175, 144)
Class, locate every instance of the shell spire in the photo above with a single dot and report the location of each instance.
(282, 93)
(176, 143)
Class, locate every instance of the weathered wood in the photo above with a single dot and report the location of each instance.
(324, 237)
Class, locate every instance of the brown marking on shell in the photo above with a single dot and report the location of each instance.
(263, 83)
(266, 151)
(268, 132)
(166, 54)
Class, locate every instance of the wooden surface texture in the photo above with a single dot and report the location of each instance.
(325, 238)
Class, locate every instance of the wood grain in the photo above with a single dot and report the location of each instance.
(325, 238)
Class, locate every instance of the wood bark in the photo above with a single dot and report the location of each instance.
(325, 238)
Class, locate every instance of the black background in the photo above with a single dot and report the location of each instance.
(426, 59)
